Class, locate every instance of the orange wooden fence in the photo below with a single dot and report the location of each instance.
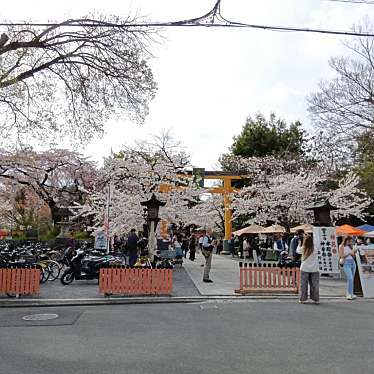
(268, 279)
(136, 281)
(19, 281)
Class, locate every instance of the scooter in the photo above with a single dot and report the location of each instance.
(85, 268)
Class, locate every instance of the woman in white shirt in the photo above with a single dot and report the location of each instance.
(309, 273)
(348, 253)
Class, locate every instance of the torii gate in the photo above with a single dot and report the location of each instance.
(225, 190)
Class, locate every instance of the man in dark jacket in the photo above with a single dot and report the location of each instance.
(295, 242)
(132, 247)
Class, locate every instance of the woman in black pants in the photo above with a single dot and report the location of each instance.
(192, 247)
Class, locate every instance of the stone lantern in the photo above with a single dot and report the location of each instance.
(321, 210)
(152, 207)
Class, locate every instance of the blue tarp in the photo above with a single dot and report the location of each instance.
(366, 228)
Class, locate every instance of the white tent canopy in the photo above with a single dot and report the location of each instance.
(274, 229)
(305, 227)
(252, 229)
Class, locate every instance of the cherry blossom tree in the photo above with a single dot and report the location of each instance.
(158, 166)
(57, 177)
(281, 190)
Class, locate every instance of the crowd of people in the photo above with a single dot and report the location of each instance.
(299, 248)
(257, 246)
(182, 244)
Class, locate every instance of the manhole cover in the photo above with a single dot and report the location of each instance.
(40, 317)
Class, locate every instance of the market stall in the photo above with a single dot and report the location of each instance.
(271, 254)
(306, 227)
(252, 229)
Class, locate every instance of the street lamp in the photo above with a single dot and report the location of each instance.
(152, 207)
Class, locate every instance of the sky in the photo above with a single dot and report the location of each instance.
(210, 80)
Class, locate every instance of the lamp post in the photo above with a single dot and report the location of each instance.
(152, 210)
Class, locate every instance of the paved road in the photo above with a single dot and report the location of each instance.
(242, 337)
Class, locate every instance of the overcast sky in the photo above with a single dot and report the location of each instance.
(210, 80)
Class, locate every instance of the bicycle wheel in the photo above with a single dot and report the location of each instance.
(54, 270)
(44, 273)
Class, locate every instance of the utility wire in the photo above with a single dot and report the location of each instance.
(213, 18)
(367, 2)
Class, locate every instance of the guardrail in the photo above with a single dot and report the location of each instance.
(135, 281)
(268, 279)
(19, 280)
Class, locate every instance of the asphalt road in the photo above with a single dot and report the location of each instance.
(236, 337)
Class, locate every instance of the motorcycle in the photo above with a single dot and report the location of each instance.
(83, 267)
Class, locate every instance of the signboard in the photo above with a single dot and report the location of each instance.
(101, 241)
(365, 266)
(326, 245)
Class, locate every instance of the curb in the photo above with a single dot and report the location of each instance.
(21, 303)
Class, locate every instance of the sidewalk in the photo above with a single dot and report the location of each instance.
(83, 289)
(225, 275)
(187, 287)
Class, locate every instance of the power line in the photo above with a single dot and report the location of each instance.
(367, 2)
(213, 18)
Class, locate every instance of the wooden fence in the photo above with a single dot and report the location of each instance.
(136, 281)
(19, 281)
(268, 279)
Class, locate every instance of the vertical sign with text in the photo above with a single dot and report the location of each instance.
(326, 245)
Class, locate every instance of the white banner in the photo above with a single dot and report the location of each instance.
(101, 241)
(326, 245)
(365, 265)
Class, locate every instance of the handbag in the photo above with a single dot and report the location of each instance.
(206, 252)
(341, 261)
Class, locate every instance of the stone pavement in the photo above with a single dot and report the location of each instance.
(225, 274)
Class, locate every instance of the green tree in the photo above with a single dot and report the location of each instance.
(269, 137)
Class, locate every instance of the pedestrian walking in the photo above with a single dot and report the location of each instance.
(246, 247)
(177, 245)
(192, 247)
(219, 247)
(185, 246)
(232, 245)
(347, 254)
(207, 251)
(132, 247)
(309, 271)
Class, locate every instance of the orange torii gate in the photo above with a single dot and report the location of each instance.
(225, 190)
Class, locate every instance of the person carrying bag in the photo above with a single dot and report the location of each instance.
(347, 256)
